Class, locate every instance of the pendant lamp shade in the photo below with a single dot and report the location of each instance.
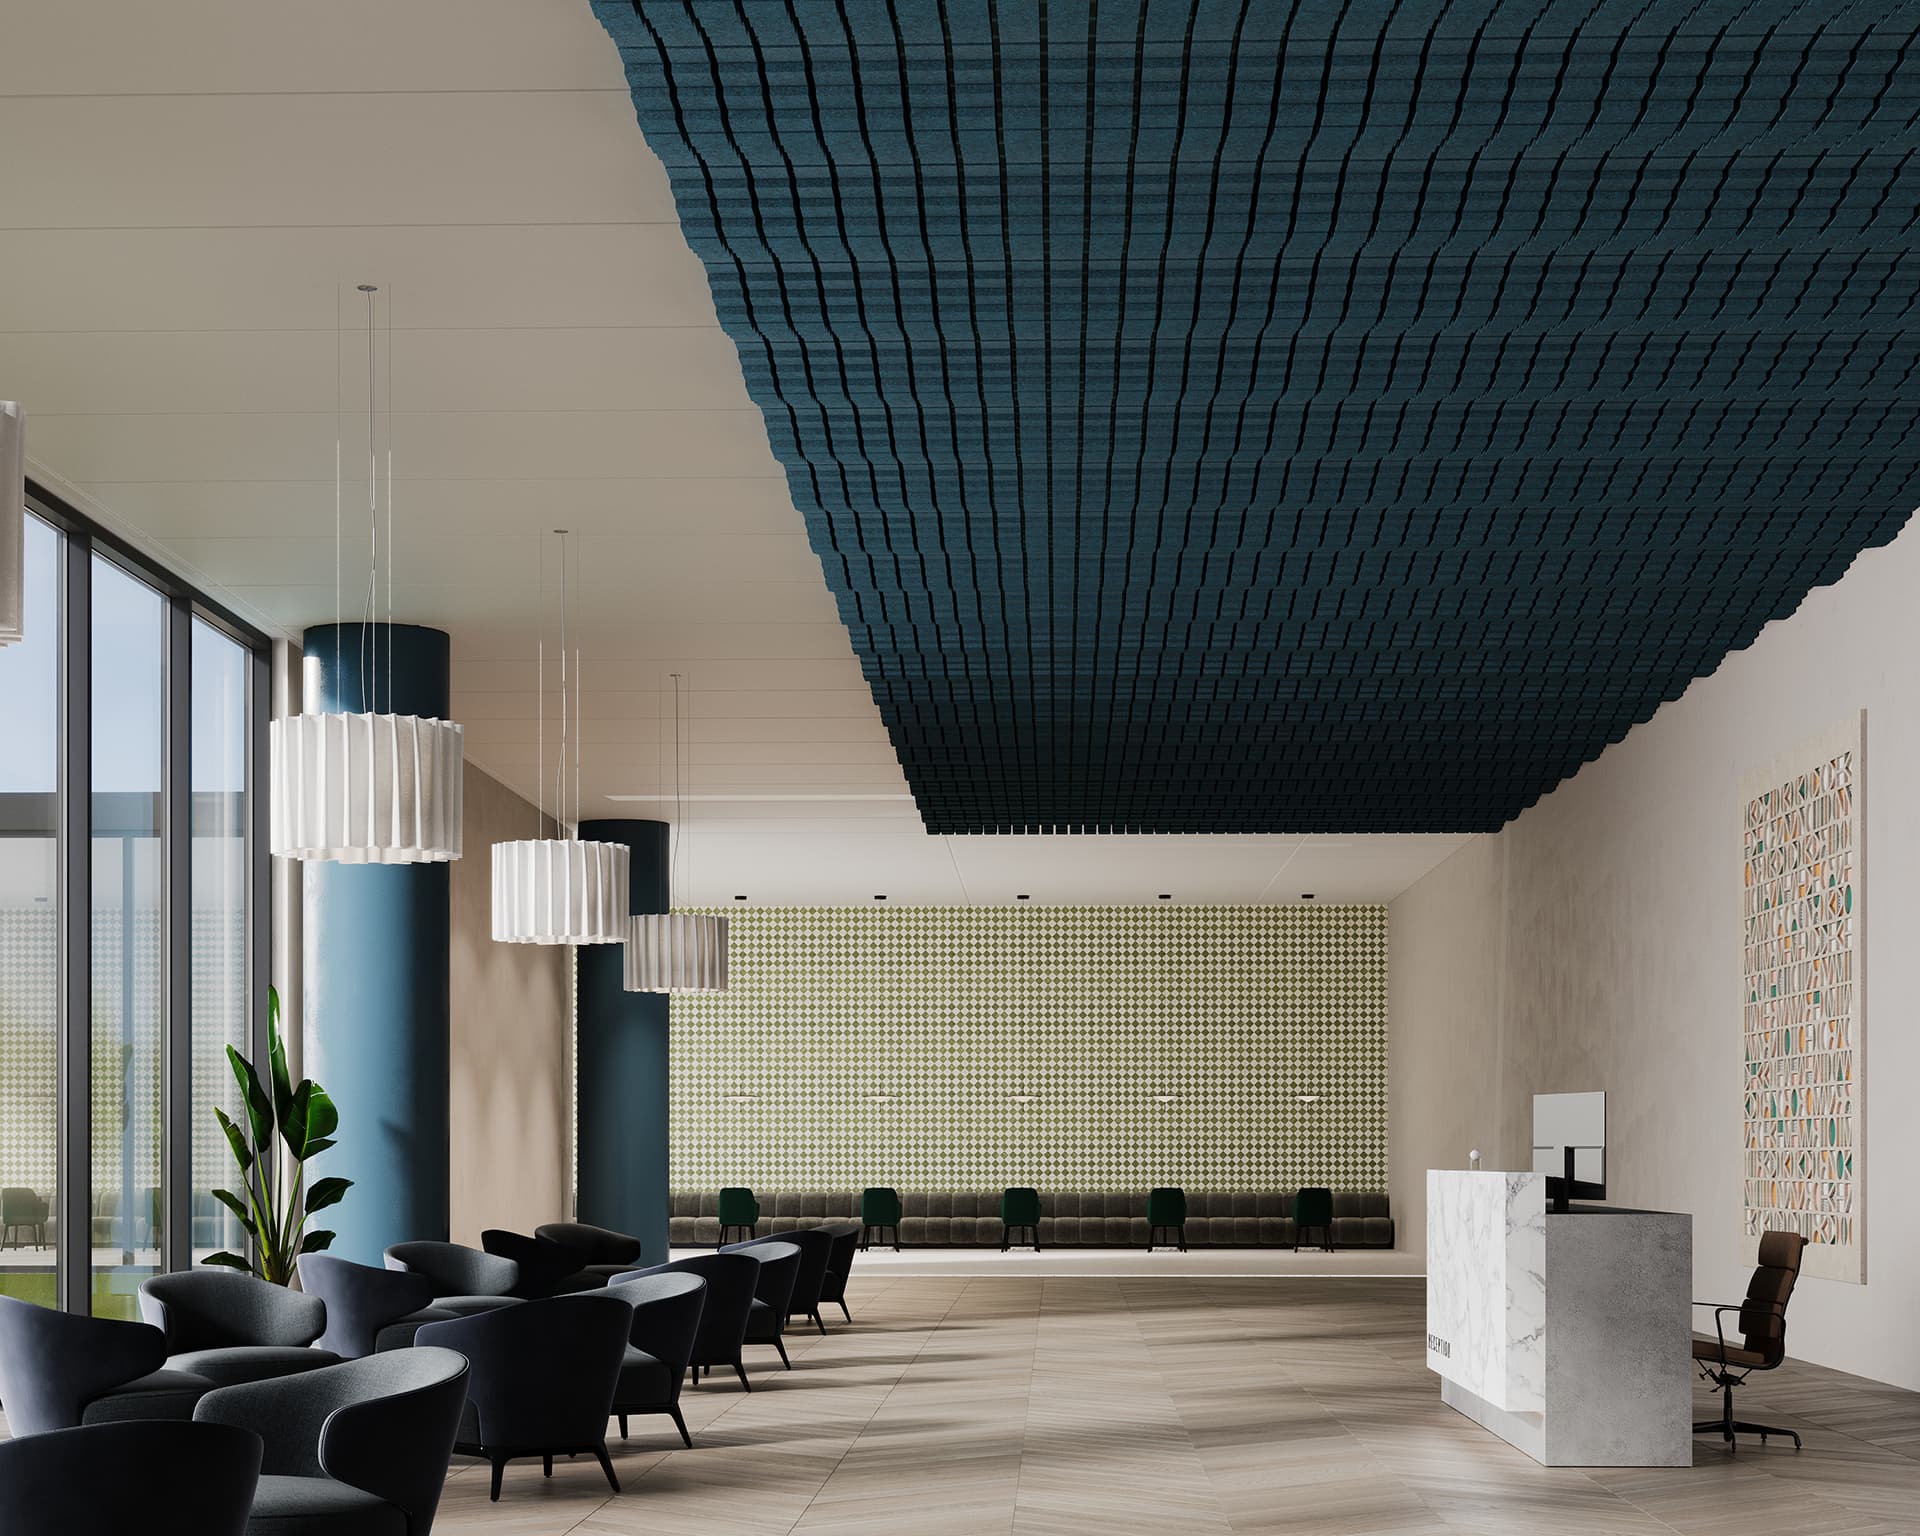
(13, 520)
(676, 952)
(554, 890)
(366, 789)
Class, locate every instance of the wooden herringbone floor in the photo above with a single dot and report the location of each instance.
(1178, 1404)
(1188, 1405)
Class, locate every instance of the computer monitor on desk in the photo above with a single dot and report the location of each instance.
(1570, 1145)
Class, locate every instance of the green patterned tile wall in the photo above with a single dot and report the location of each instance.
(1158, 1045)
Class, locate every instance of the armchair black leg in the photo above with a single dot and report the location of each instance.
(820, 1322)
(681, 1425)
(780, 1345)
(606, 1465)
(740, 1370)
(623, 1426)
(842, 1304)
(546, 1465)
(499, 1466)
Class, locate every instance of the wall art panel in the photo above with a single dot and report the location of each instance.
(1803, 1001)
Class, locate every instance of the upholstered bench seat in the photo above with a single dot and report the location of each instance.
(1087, 1219)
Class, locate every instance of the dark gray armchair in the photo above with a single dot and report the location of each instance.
(230, 1327)
(597, 1250)
(464, 1280)
(130, 1477)
(543, 1378)
(809, 1275)
(730, 1279)
(833, 1285)
(58, 1370)
(666, 1320)
(360, 1448)
(546, 1268)
(773, 1291)
(368, 1309)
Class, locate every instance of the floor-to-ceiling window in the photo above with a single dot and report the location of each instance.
(221, 871)
(132, 916)
(129, 974)
(30, 931)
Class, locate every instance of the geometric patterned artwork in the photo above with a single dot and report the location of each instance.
(1071, 1048)
(1188, 402)
(1803, 918)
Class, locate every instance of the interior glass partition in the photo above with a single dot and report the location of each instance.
(30, 932)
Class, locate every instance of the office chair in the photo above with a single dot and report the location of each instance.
(1763, 1341)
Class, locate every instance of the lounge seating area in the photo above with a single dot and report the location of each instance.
(367, 1382)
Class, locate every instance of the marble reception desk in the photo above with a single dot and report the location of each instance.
(1565, 1334)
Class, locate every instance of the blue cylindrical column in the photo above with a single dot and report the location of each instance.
(377, 940)
(620, 1064)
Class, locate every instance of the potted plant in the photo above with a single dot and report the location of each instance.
(277, 1201)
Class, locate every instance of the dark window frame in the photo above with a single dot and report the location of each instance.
(81, 538)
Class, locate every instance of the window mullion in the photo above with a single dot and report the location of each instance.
(73, 1216)
(177, 1025)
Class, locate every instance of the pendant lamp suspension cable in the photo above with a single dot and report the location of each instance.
(540, 693)
(369, 638)
(560, 763)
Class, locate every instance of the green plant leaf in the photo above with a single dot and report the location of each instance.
(229, 1260)
(315, 1148)
(277, 1060)
(315, 1241)
(233, 1203)
(293, 1121)
(242, 1153)
(326, 1192)
(323, 1119)
(259, 1107)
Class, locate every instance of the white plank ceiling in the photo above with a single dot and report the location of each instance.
(190, 193)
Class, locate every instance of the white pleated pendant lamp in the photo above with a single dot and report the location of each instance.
(366, 789)
(372, 787)
(13, 521)
(676, 951)
(560, 890)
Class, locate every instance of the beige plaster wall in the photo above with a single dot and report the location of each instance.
(508, 1091)
(1613, 925)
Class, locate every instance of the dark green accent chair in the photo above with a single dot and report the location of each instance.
(880, 1212)
(23, 1210)
(1020, 1212)
(1167, 1212)
(1313, 1210)
(739, 1209)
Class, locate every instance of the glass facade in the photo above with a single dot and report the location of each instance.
(219, 939)
(129, 973)
(130, 943)
(30, 931)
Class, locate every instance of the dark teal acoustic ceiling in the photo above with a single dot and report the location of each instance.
(1263, 416)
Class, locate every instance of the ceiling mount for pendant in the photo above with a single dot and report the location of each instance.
(560, 890)
(374, 786)
(13, 521)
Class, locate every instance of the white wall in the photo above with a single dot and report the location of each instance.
(1594, 943)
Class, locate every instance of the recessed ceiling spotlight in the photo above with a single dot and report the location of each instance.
(879, 898)
(739, 1098)
(1023, 897)
(1166, 896)
(739, 898)
(1306, 895)
(1309, 1098)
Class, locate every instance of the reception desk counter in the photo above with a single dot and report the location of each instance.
(1565, 1334)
